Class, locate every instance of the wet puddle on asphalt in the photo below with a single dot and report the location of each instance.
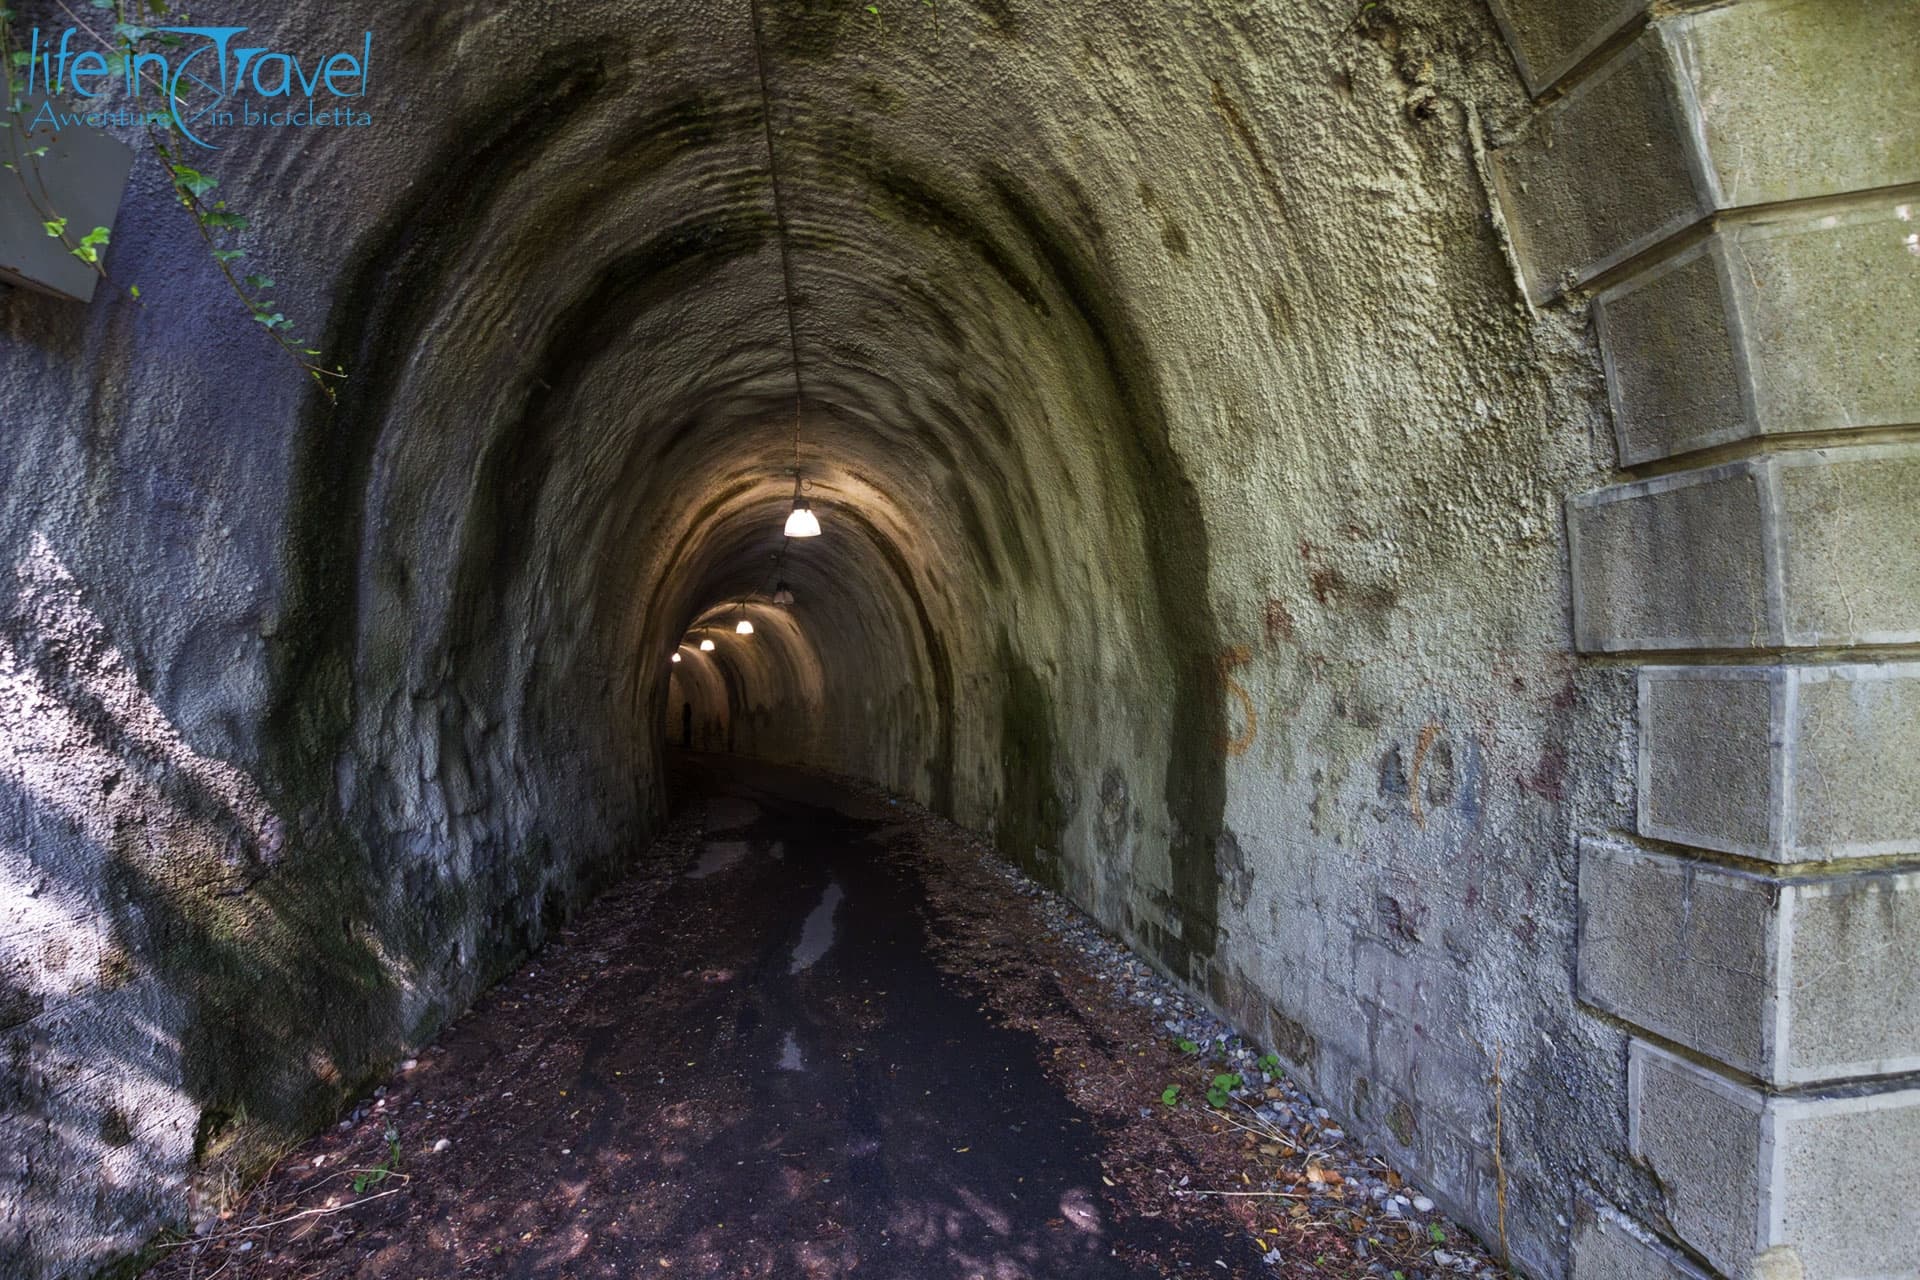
(816, 935)
(790, 1056)
(718, 856)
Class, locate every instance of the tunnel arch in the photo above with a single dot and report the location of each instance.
(1033, 379)
(642, 487)
(1190, 393)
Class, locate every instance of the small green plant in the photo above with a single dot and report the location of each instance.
(1187, 1046)
(88, 250)
(1436, 1233)
(1222, 1088)
(23, 162)
(216, 221)
(373, 1177)
(1269, 1063)
(1170, 1095)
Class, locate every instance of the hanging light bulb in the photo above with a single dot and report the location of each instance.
(782, 593)
(706, 646)
(676, 657)
(802, 523)
(745, 628)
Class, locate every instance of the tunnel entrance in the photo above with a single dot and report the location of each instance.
(1393, 522)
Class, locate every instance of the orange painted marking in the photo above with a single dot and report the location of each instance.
(1427, 735)
(1239, 656)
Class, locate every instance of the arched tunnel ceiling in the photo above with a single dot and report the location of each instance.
(979, 420)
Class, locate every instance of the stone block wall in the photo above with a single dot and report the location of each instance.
(1736, 189)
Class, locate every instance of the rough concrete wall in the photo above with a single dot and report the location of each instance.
(1190, 460)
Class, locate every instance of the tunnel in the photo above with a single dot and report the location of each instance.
(1400, 514)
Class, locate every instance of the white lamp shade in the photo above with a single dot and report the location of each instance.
(745, 628)
(803, 523)
(706, 646)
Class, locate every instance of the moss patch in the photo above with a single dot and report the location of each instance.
(1031, 819)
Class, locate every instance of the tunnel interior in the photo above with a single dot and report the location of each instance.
(772, 287)
(976, 275)
(1190, 397)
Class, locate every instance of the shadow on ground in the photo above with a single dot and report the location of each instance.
(742, 1062)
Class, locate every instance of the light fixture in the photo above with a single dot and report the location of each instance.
(676, 657)
(802, 523)
(745, 628)
(782, 593)
(706, 646)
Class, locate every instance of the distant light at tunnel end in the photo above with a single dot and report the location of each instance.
(802, 523)
(745, 628)
(706, 646)
(676, 657)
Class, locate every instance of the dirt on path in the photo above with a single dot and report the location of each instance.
(816, 1034)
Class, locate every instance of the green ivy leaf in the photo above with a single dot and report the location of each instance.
(229, 255)
(192, 180)
(258, 282)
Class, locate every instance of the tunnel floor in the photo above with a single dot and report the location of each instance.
(787, 1045)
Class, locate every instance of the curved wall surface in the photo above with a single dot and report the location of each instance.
(1191, 395)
